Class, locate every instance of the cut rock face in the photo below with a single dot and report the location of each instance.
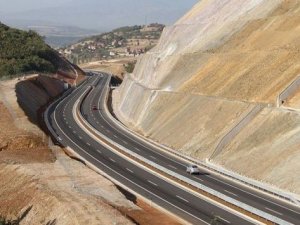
(208, 72)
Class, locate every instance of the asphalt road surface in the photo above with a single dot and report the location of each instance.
(180, 202)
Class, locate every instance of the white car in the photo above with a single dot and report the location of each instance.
(192, 169)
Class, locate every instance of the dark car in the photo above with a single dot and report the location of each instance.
(94, 107)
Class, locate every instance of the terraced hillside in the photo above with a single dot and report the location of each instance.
(198, 89)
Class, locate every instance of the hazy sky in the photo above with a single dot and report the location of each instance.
(24, 5)
(93, 14)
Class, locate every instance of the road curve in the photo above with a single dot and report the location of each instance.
(102, 122)
(182, 203)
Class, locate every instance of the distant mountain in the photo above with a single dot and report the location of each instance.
(105, 15)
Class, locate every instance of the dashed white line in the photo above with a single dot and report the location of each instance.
(99, 151)
(115, 136)
(88, 144)
(125, 142)
(129, 170)
(229, 192)
(274, 211)
(182, 198)
(152, 157)
(80, 137)
(112, 160)
(199, 179)
(223, 219)
(172, 167)
(152, 183)
(137, 149)
(74, 131)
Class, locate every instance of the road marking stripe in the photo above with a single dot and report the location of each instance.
(124, 176)
(137, 149)
(125, 142)
(129, 170)
(253, 194)
(88, 144)
(115, 136)
(112, 160)
(80, 137)
(223, 219)
(182, 198)
(230, 193)
(172, 167)
(199, 179)
(99, 151)
(274, 211)
(152, 157)
(152, 183)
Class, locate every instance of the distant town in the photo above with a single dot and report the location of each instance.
(122, 42)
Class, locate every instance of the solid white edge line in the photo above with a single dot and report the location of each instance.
(125, 177)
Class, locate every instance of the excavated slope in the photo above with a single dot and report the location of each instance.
(205, 78)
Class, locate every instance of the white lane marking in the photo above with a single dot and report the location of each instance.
(152, 183)
(102, 126)
(115, 136)
(229, 192)
(137, 149)
(147, 147)
(152, 157)
(129, 170)
(70, 127)
(274, 211)
(223, 219)
(172, 167)
(199, 179)
(80, 137)
(124, 176)
(182, 198)
(88, 144)
(254, 195)
(99, 151)
(107, 131)
(125, 142)
(112, 160)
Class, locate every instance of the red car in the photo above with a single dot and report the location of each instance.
(94, 108)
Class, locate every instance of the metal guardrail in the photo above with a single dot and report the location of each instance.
(267, 188)
(260, 213)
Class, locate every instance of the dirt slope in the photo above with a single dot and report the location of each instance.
(218, 60)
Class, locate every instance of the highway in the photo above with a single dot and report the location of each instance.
(182, 203)
(174, 199)
(102, 122)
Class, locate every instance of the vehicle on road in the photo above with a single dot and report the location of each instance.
(192, 169)
(94, 107)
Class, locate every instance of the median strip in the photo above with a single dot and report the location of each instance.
(210, 195)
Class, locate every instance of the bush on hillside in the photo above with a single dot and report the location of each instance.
(23, 52)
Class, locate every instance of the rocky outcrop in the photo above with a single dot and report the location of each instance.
(209, 69)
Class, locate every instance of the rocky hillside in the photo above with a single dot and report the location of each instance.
(212, 88)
